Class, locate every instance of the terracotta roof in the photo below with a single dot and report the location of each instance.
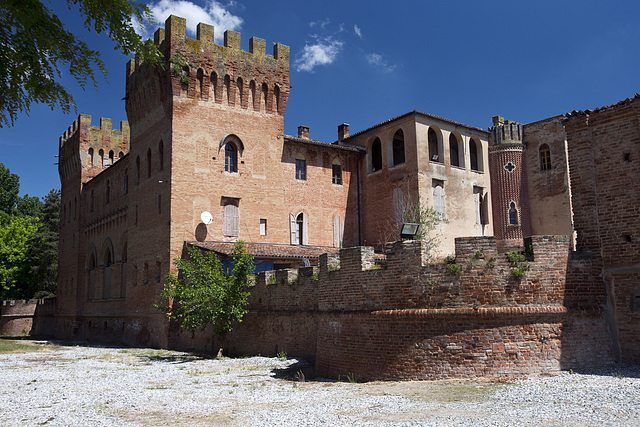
(431, 116)
(268, 250)
(336, 145)
(575, 113)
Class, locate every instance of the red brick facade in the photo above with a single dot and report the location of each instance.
(207, 135)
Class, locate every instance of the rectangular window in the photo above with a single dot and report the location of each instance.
(301, 169)
(263, 227)
(336, 174)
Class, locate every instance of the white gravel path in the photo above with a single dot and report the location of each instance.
(94, 386)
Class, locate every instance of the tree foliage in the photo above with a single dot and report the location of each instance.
(202, 294)
(14, 270)
(36, 49)
(42, 255)
(29, 233)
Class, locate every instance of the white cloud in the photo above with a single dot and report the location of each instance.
(357, 30)
(213, 13)
(321, 24)
(377, 60)
(322, 52)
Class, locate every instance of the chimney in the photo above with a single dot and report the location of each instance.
(343, 131)
(303, 132)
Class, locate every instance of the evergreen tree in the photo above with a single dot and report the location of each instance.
(9, 189)
(42, 256)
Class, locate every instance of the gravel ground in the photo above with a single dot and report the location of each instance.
(79, 385)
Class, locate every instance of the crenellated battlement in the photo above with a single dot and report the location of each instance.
(200, 69)
(505, 131)
(84, 146)
(203, 48)
(478, 277)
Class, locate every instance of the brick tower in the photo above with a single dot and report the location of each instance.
(508, 181)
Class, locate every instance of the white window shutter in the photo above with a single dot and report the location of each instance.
(292, 228)
(477, 200)
(305, 230)
(338, 231)
(438, 200)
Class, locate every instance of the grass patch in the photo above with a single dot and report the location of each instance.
(19, 346)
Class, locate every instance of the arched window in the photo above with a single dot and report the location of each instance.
(240, 85)
(148, 162)
(160, 156)
(101, 158)
(434, 152)
(545, 157)
(252, 92)
(107, 193)
(263, 99)
(300, 229)
(200, 77)
(398, 147)
(453, 150)
(276, 95)
(214, 87)
(137, 170)
(230, 157)
(513, 214)
(227, 89)
(473, 155)
(111, 157)
(120, 155)
(90, 157)
(376, 155)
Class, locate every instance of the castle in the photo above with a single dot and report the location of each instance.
(206, 135)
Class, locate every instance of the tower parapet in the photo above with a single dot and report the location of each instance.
(90, 148)
(505, 131)
(201, 69)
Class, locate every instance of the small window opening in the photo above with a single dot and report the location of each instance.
(336, 172)
(230, 158)
(263, 226)
(545, 157)
(301, 169)
(627, 157)
(299, 228)
(627, 238)
(513, 214)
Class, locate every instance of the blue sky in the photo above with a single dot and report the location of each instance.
(363, 62)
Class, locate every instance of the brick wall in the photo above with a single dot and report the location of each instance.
(32, 317)
(604, 167)
(414, 320)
